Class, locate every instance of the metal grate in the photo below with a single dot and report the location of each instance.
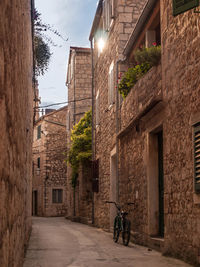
(180, 6)
(197, 157)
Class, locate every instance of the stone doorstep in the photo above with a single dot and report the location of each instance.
(156, 243)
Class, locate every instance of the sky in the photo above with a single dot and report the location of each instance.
(73, 20)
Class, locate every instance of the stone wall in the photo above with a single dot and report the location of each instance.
(175, 115)
(126, 14)
(79, 95)
(51, 149)
(16, 105)
(181, 90)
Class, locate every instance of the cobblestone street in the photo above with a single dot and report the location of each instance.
(57, 242)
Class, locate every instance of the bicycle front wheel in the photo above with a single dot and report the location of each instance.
(126, 232)
(116, 230)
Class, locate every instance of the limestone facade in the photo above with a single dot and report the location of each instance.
(49, 166)
(79, 74)
(16, 105)
(124, 18)
(145, 146)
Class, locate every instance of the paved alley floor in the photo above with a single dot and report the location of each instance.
(57, 242)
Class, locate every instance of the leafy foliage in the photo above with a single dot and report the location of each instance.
(42, 55)
(81, 148)
(42, 43)
(145, 58)
(149, 55)
(131, 77)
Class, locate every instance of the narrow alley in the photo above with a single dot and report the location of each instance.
(57, 242)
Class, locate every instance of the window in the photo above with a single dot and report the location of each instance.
(72, 66)
(97, 109)
(111, 84)
(38, 163)
(108, 14)
(95, 176)
(68, 120)
(39, 132)
(197, 157)
(57, 195)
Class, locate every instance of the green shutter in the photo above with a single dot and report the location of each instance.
(197, 157)
(39, 132)
(180, 6)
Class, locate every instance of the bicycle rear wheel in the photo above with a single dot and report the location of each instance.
(116, 229)
(126, 232)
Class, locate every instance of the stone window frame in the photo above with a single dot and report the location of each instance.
(57, 195)
(111, 96)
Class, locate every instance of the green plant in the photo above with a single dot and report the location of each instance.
(81, 147)
(149, 55)
(145, 58)
(131, 77)
(42, 43)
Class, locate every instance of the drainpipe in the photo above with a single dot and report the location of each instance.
(93, 151)
(74, 191)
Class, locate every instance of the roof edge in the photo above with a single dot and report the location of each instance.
(139, 25)
(96, 19)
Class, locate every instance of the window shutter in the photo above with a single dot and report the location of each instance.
(60, 195)
(95, 176)
(39, 132)
(104, 15)
(180, 6)
(38, 163)
(111, 84)
(197, 157)
(97, 109)
(112, 9)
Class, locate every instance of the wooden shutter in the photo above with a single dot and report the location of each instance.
(39, 132)
(180, 6)
(97, 109)
(38, 163)
(197, 157)
(95, 176)
(60, 195)
(104, 15)
(111, 84)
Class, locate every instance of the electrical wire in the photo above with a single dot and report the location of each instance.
(66, 102)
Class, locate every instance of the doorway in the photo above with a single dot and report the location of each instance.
(35, 203)
(113, 187)
(156, 184)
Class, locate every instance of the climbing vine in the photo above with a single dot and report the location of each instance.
(81, 145)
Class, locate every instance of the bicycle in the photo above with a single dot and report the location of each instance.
(121, 224)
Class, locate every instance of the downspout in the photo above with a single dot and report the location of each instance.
(74, 191)
(93, 151)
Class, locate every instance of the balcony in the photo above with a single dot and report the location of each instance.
(142, 98)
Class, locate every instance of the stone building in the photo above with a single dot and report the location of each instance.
(49, 166)
(16, 105)
(111, 29)
(79, 97)
(148, 144)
